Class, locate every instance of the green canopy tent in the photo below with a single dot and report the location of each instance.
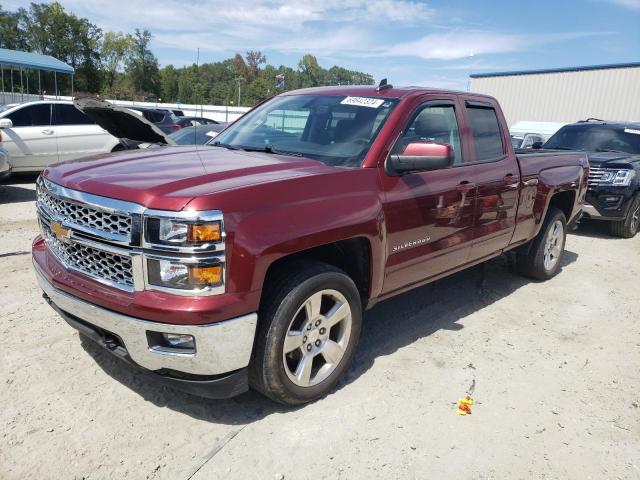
(15, 59)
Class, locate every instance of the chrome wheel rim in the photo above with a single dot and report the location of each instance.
(317, 338)
(635, 219)
(553, 245)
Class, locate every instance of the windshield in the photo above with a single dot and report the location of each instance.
(193, 135)
(516, 141)
(595, 138)
(4, 108)
(336, 130)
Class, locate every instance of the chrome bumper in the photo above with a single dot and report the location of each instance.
(591, 211)
(220, 347)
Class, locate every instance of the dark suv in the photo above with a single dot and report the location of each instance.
(164, 119)
(614, 179)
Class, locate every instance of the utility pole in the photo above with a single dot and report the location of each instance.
(239, 80)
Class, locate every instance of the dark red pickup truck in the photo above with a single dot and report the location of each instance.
(250, 261)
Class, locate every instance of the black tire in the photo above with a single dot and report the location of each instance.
(628, 227)
(284, 298)
(532, 264)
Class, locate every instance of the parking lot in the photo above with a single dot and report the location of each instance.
(555, 366)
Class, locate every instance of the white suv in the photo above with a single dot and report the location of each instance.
(37, 134)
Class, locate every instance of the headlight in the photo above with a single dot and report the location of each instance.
(184, 252)
(623, 178)
(612, 176)
(184, 276)
(175, 231)
(178, 233)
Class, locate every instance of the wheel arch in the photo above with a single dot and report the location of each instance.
(352, 255)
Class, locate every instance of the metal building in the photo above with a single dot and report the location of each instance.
(608, 92)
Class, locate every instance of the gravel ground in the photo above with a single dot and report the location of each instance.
(556, 367)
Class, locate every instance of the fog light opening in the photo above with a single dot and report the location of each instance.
(171, 342)
(178, 340)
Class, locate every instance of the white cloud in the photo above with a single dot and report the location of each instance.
(635, 4)
(211, 15)
(323, 27)
(457, 44)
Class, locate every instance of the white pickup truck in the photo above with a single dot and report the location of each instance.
(37, 134)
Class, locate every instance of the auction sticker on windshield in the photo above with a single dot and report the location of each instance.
(363, 102)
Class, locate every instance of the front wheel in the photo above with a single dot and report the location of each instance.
(543, 258)
(309, 329)
(628, 227)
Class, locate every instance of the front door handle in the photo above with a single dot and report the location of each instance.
(466, 186)
(47, 131)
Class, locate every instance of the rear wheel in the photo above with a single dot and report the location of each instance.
(628, 227)
(543, 258)
(309, 329)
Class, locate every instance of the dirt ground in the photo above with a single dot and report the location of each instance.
(556, 366)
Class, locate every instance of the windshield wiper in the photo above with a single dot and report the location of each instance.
(270, 149)
(609, 150)
(560, 148)
(225, 145)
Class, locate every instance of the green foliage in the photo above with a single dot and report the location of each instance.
(48, 29)
(122, 65)
(115, 49)
(11, 35)
(221, 80)
(142, 66)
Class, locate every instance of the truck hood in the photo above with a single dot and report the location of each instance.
(612, 159)
(121, 122)
(169, 178)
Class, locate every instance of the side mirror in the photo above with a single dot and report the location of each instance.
(6, 123)
(537, 145)
(420, 157)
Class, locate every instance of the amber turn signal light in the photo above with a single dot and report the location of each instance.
(206, 276)
(204, 232)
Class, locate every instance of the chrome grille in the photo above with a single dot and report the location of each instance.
(85, 216)
(597, 176)
(94, 262)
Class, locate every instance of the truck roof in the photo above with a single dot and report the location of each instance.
(372, 91)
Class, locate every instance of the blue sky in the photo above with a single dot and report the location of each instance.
(436, 43)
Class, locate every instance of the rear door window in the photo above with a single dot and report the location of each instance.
(70, 115)
(38, 115)
(485, 130)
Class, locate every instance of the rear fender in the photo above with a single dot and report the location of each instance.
(553, 181)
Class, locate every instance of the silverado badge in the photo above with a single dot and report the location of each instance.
(59, 231)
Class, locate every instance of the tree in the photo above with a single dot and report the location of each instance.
(254, 60)
(50, 30)
(142, 65)
(310, 72)
(169, 83)
(116, 48)
(11, 35)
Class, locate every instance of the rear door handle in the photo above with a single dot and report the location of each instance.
(47, 131)
(466, 186)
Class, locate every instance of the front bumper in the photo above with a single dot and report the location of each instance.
(608, 203)
(221, 348)
(5, 167)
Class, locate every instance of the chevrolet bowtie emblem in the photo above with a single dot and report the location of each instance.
(59, 231)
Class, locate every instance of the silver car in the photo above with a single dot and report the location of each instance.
(5, 168)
